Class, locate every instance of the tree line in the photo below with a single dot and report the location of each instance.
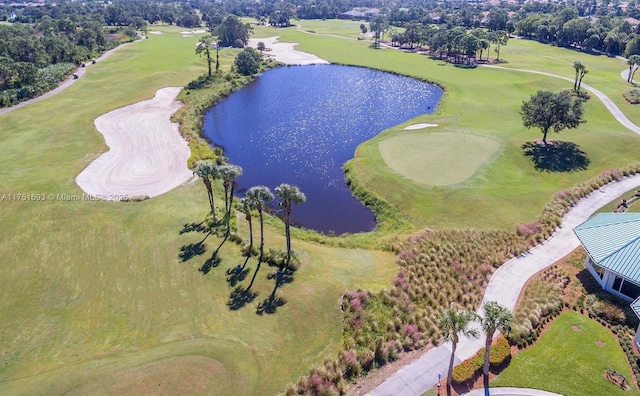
(34, 58)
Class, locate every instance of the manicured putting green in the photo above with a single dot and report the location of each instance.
(437, 158)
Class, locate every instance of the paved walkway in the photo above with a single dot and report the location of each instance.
(507, 282)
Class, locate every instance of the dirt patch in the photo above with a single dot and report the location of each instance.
(576, 328)
(600, 344)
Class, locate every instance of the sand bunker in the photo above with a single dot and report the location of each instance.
(147, 155)
(420, 126)
(285, 52)
(155, 32)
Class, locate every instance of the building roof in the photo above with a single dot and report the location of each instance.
(612, 240)
(635, 306)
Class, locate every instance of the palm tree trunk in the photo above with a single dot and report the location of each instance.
(287, 229)
(450, 372)
(485, 367)
(250, 233)
(261, 235)
(207, 184)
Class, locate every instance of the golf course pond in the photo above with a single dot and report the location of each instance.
(300, 124)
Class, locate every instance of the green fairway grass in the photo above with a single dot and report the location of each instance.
(437, 159)
(568, 360)
(94, 296)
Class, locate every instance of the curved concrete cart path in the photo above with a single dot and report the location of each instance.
(147, 155)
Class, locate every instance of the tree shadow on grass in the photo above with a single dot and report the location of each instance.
(195, 227)
(271, 304)
(240, 297)
(237, 274)
(212, 261)
(556, 156)
(191, 250)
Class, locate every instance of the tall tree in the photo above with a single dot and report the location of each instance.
(581, 70)
(547, 110)
(289, 195)
(633, 62)
(208, 171)
(232, 32)
(378, 26)
(246, 205)
(502, 38)
(204, 47)
(494, 317)
(452, 324)
(259, 195)
(228, 174)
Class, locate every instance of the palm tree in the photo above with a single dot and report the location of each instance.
(246, 205)
(289, 195)
(452, 323)
(633, 62)
(577, 65)
(207, 171)
(204, 47)
(494, 317)
(259, 195)
(228, 174)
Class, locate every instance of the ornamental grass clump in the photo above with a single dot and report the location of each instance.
(541, 301)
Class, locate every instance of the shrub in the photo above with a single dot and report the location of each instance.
(468, 370)
(500, 352)
(632, 96)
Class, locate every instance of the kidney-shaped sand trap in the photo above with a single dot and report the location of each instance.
(437, 159)
(147, 155)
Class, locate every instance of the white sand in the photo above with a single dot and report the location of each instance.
(147, 155)
(155, 32)
(420, 126)
(285, 52)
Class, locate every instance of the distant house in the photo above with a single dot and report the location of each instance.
(360, 13)
(612, 242)
(352, 14)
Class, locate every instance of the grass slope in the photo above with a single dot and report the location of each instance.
(484, 102)
(94, 296)
(578, 362)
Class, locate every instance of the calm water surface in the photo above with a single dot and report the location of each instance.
(299, 125)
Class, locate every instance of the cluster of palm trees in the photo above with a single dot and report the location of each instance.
(633, 62)
(581, 71)
(255, 199)
(456, 322)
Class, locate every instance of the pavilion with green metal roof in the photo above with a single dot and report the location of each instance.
(612, 242)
